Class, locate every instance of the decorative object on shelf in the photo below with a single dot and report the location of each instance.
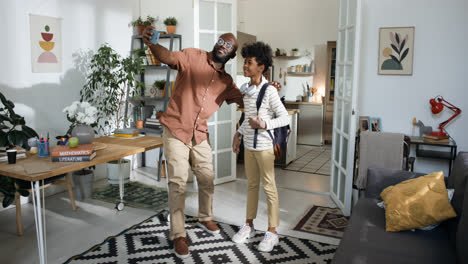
(295, 52)
(139, 124)
(396, 49)
(152, 92)
(364, 122)
(46, 43)
(423, 130)
(151, 58)
(278, 53)
(160, 85)
(109, 81)
(140, 24)
(83, 117)
(437, 105)
(171, 23)
(376, 124)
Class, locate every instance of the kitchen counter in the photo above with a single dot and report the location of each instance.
(290, 111)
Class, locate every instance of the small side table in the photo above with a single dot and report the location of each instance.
(446, 151)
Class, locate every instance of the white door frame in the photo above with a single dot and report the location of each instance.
(232, 63)
(335, 180)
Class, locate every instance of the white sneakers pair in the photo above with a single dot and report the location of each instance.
(270, 240)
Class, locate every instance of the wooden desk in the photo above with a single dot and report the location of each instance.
(116, 148)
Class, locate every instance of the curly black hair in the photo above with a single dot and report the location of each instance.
(261, 52)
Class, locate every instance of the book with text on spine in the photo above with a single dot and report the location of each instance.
(80, 150)
(74, 158)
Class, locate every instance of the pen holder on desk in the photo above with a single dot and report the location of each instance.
(43, 149)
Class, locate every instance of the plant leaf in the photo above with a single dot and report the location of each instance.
(397, 37)
(402, 45)
(394, 58)
(403, 56)
(29, 132)
(7, 200)
(395, 49)
(16, 138)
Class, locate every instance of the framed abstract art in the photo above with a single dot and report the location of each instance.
(396, 50)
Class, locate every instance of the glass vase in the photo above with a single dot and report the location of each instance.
(84, 133)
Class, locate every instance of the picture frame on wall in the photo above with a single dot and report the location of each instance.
(376, 124)
(396, 51)
(364, 123)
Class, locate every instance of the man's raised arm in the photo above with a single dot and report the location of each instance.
(160, 52)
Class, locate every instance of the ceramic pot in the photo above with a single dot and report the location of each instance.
(83, 181)
(84, 133)
(170, 29)
(114, 170)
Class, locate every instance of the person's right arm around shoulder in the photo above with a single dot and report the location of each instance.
(160, 52)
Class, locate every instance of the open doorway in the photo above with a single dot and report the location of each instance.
(303, 67)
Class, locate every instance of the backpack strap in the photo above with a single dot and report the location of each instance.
(260, 96)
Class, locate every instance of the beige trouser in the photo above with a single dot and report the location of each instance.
(261, 164)
(180, 158)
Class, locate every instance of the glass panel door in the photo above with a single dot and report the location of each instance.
(344, 119)
(212, 19)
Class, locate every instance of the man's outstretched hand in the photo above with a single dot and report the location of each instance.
(147, 34)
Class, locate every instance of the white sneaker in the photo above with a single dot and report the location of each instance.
(269, 241)
(244, 233)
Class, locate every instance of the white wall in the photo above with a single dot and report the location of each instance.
(439, 68)
(301, 24)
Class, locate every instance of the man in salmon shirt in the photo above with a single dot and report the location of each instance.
(201, 87)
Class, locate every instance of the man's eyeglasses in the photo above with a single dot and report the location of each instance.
(221, 42)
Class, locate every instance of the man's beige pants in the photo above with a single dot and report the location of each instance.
(180, 159)
(261, 164)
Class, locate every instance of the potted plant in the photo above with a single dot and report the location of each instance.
(170, 23)
(278, 52)
(82, 116)
(160, 86)
(294, 52)
(109, 81)
(140, 24)
(13, 132)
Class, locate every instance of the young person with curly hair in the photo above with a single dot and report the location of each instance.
(259, 156)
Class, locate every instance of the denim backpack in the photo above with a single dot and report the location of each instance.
(280, 140)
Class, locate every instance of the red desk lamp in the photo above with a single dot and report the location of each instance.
(438, 104)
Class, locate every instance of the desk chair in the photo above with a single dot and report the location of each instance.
(62, 180)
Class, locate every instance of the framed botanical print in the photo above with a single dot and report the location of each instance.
(396, 50)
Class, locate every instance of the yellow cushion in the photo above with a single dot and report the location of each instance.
(417, 203)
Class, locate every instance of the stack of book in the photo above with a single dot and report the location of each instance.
(83, 152)
(153, 123)
(126, 132)
(20, 153)
(436, 139)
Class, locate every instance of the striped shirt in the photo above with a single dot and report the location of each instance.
(270, 107)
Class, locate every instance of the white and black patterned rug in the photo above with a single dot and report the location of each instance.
(147, 242)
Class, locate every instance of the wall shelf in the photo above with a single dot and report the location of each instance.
(301, 73)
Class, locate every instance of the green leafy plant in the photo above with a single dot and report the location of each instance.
(170, 21)
(13, 129)
(13, 132)
(140, 22)
(159, 84)
(295, 49)
(111, 78)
